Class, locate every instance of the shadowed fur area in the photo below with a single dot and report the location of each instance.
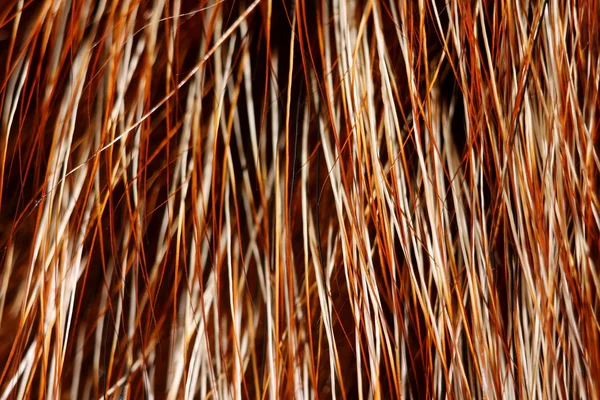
(277, 199)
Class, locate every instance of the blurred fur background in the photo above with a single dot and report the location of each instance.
(299, 199)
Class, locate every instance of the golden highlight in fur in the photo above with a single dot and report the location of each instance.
(264, 199)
